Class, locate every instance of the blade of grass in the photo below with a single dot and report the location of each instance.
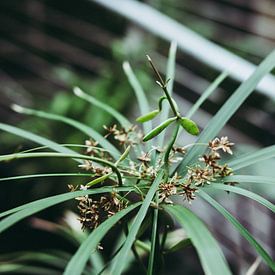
(140, 95)
(170, 75)
(124, 122)
(37, 139)
(59, 155)
(80, 258)
(245, 193)
(40, 257)
(214, 85)
(152, 256)
(250, 179)
(252, 158)
(80, 126)
(25, 269)
(188, 40)
(209, 252)
(23, 211)
(121, 258)
(45, 175)
(228, 109)
(242, 230)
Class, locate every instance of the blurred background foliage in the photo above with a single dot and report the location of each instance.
(47, 47)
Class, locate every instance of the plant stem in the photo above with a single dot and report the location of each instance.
(170, 145)
(163, 86)
(154, 238)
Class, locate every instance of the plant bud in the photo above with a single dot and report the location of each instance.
(159, 129)
(148, 116)
(190, 126)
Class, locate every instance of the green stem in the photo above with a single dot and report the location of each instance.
(59, 155)
(163, 86)
(170, 145)
(154, 240)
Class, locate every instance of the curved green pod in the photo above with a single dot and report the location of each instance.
(147, 116)
(159, 129)
(190, 126)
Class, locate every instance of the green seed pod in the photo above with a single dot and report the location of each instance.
(159, 129)
(190, 126)
(148, 116)
(160, 102)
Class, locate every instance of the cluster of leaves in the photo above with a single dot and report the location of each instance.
(147, 177)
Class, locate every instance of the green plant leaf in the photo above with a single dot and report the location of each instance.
(227, 110)
(45, 175)
(121, 258)
(242, 230)
(179, 246)
(210, 254)
(124, 122)
(245, 193)
(60, 155)
(159, 129)
(10, 268)
(80, 258)
(189, 126)
(170, 76)
(206, 94)
(37, 139)
(80, 126)
(252, 158)
(28, 209)
(188, 40)
(250, 179)
(140, 95)
(154, 238)
(41, 257)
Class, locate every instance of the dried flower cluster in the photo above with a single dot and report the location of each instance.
(143, 169)
(93, 212)
(199, 174)
(129, 136)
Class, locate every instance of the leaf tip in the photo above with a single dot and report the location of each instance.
(17, 108)
(77, 91)
(126, 66)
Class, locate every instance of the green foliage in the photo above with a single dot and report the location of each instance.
(144, 175)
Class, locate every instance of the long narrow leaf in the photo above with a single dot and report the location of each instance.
(140, 94)
(228, 109)
(60, 155)
(9, 268)
(242, 230)
(250, 179)
(210, 254)
(80, 126)
(107, 108)
(121, 258)
(170, 76)
(187, 40)
(45, 175)
(80, 258)
(245, 193)
(31, 208)
(36, 138)
(252, 158)
(154, 238)
(207, 93)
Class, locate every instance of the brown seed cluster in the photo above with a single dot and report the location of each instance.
(211, 169)
(130, 136)
(200, 174)
(93, 212)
